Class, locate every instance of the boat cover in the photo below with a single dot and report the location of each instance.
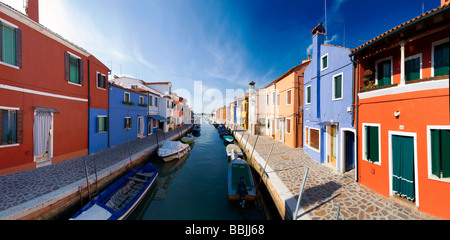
(95, 213)
(170, 147)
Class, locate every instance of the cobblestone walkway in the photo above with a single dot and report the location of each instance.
(22, 187)
(326, 189)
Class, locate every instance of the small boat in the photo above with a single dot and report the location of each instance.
(222, 131)
(188, 139)
(196, 129)
(120, 199)
(228, 138)
(172, 150)
(238, 169)
(238, 150)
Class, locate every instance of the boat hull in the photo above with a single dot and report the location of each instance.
(236, 169)
(174, 156)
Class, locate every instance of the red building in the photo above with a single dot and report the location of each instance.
(402, 112)
(44, 93)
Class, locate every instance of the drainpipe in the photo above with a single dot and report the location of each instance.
(355, 109)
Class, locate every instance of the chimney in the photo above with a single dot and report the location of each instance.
(445, 2)
(32, 10)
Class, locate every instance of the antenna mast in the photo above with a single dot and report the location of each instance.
(326, 25)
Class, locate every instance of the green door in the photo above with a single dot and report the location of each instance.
(403, 166)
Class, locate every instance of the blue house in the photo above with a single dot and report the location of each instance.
(128, 110)
(329, 135)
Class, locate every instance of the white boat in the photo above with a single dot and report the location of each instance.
(172, 150)
(230, 148)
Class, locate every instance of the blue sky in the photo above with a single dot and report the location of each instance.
(225, 44)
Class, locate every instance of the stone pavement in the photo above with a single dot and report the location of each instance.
(325, 188)
(25, 190)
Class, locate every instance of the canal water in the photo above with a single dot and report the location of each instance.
(195, 187)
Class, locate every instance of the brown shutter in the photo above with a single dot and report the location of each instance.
(19, 47)
(1, 44)
(80, 71)
(19, 126)
(67, 66)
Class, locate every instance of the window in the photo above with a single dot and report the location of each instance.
(273, 98)
(73, 69)
(288, 125)
(278, 99)
(337, 87)
(413, 69)
(371, 138)
(267, 99)
(150, 101)
(127, 123)
(126, 97)
(101, 81)
(102, 124)
(383, 72)
(156, 101)
(141, 100)
(288, 97)
(440, 58)
(9, 126)
(308, 94)
(324, 62)
(11, 44)
(314, 137)
(268, 123)
(440, 152)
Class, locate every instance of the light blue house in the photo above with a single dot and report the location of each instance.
(329, 135)
(127, 114)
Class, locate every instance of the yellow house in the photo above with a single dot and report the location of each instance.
(244, 112)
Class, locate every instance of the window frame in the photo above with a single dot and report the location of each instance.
(289, 99)
(125, 98)
(287, 126)
(431, 176)
(130, 125)
(99, 74)
(309, 135)
(333, 97)
(433, 45)
(308, 94)
(321, 62)
(376, 69)
(419, 55)
(18, 50)
(105, 124)
(71, 55)
(16, 143)
(364, 136)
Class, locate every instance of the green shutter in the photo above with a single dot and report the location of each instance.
(324, 62)
(384, 73)
(412, 69)
(8, 45)
(338, 86)
(435, 152)
(308, 94)
(74, 70)
(441, 59)
(366, 142)
(445, 153)
(373, 144)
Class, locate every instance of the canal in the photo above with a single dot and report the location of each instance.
(195, 187)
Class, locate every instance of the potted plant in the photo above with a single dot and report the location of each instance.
(9, 137)
(368, 80)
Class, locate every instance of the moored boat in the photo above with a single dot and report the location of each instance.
(120, 199)
(172, 150)
(238, 150)
(187, 139)
(228, 138)
(239, 172)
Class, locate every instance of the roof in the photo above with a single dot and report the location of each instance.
(288, 72)
(404, 25)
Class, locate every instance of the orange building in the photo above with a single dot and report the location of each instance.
(287, 99)
(402, 114)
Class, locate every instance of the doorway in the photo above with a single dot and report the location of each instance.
(348, 149)
(282, 130)
(332, 145)
(403, 166)
(43, 138)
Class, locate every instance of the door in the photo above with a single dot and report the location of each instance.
(282, 130)
(42, 137)
(349, 150)
(332, 145)
(384, 73)
(403, 166)
(141, 126)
